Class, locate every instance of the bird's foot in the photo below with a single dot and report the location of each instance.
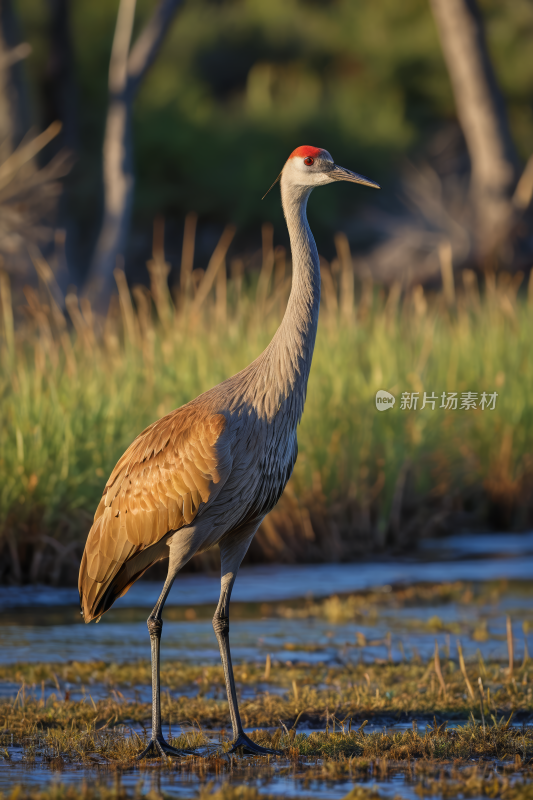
(251, 748)
(159, 748)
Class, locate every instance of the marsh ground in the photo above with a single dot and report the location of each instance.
(349, 686)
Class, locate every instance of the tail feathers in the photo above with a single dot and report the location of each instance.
(97, 598)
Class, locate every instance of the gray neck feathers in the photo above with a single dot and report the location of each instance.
(279, 376)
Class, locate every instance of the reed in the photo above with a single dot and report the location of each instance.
(75, 390)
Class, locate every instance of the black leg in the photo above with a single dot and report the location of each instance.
(157, 746)
(231, 557)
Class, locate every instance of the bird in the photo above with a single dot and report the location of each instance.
(207, 473)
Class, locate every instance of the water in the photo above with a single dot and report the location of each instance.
(39, 624)
(296, 640)
(272, 583)
(43, 623)
(273, 780)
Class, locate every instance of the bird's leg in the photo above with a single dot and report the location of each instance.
(221, 627)
(157, 745)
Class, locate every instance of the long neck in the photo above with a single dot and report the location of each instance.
(297, 332)
(281, 372)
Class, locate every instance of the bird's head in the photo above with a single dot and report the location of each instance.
(308, 167)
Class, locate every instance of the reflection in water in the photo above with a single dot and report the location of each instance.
(278, 779)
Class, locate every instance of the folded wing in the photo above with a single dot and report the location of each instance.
(168, 474)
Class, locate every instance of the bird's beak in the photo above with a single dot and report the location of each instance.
(342, 174)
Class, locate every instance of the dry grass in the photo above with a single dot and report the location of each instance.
(433, 757)
(75, 743)
(320, 694)
(323, 696)
(438, 762)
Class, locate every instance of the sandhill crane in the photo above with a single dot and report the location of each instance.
(209, 472)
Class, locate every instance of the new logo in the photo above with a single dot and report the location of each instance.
(384, 400)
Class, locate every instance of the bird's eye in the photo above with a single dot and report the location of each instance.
(309, 161)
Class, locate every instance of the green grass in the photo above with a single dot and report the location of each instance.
(72, 397)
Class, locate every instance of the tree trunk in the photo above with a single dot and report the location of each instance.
(14, 104)
(60, 102)
(59, 86)
(118, 199)
(482, 115)
(126, 71)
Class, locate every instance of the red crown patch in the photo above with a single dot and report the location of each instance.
(305, 151)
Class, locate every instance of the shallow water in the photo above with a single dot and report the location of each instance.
(57, 633)
(183, 784)
(296, 640)
(43, 624)
(453, 559)
(278, 777)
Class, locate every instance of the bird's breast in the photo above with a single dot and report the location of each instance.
(263, 454)
(275, 466)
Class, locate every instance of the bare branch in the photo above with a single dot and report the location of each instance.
(127, 69)
(26, 152)
(145, 48)
(118, 63)
(524, 189)
(16, 54)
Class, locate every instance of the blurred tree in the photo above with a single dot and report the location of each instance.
(127, 68)
(482, 114)
(29, 190)
(14, 105)
(237, 84)
(60, 96)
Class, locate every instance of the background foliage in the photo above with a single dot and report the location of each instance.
(73, 401)
(237, 85)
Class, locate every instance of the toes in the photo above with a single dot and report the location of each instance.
(264, 751)
(253, 749)
(146, 751)
(173, 751)
(162, 749)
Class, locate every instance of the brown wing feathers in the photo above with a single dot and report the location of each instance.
(157, 486)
